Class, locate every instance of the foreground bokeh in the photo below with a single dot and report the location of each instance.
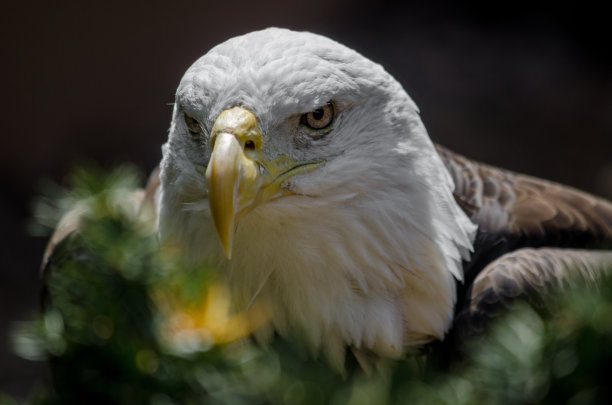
(126, 321)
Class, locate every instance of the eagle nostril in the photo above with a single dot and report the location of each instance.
(249, 145)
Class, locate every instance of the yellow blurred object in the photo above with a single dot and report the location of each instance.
(208, 320)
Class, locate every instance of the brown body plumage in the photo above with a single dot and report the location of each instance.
(534, 237)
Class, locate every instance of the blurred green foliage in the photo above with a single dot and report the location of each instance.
(106, 337)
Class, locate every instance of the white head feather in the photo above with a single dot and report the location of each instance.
(366, 251)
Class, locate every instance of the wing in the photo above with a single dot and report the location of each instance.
(528, 232)
(58, 250)
(530, 274)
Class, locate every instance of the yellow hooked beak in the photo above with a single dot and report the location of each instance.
(238, 176)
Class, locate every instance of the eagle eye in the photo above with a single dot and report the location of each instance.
(193, 126)
(319, 119)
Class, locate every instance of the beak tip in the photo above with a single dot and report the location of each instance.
(226, 237)
(228, 251)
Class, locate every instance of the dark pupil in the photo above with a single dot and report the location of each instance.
(318, 114)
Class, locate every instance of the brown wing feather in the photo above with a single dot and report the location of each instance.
(529, 274)
(70, 223)
(515, 212)
(501, 201)
(142, 203)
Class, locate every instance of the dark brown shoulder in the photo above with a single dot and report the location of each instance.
(534, 237)
(501, 201)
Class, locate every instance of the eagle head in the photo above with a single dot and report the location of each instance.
(301, 170)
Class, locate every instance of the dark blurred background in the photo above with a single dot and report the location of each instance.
(525, 85)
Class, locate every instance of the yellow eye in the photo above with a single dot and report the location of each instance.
(193, 126)
(321, 118)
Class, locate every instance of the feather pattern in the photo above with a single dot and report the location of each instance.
(527, 273)
(528, 233)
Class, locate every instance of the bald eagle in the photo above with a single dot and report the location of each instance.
(301, 170)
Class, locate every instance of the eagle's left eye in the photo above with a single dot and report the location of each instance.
(193, 126)
(319, 119)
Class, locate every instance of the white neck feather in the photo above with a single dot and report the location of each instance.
(333, 276)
